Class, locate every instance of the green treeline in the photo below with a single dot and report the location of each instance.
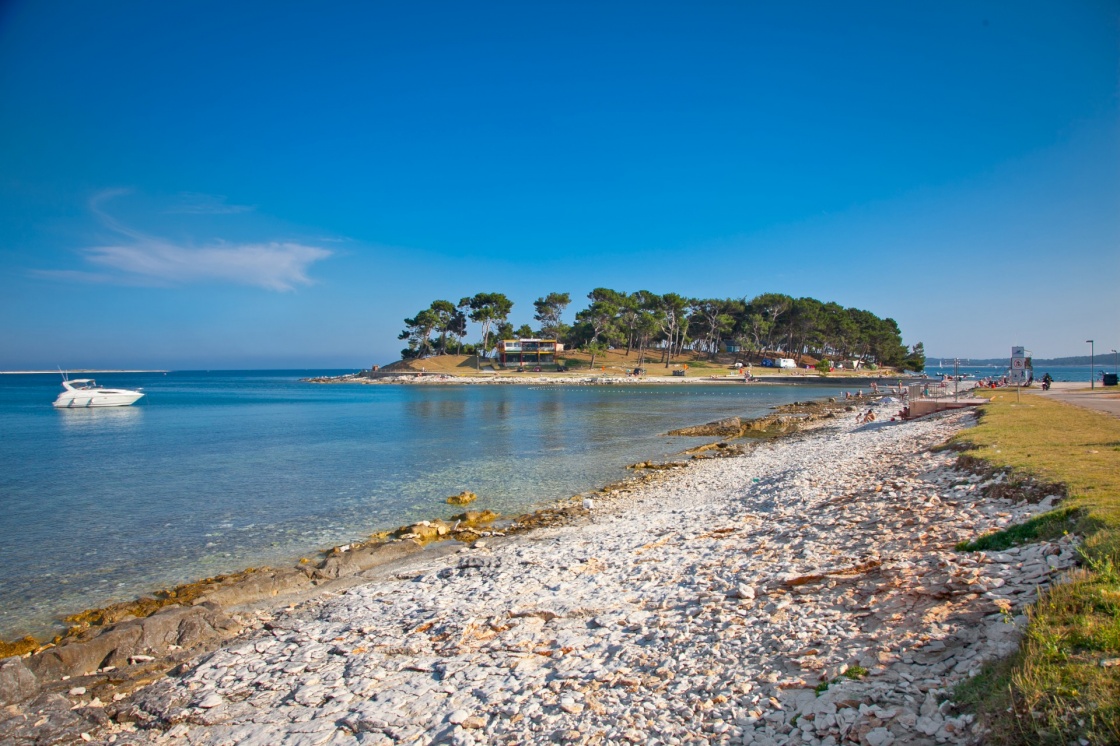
(667, 325)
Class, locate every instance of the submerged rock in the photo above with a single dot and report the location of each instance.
(465, 497)
(655, 466)
(728, 426)
(474, 518)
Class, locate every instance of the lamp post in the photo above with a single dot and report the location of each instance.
(1092, 366)
(1114, 368)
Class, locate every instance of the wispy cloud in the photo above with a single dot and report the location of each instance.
(195, 203)
(143, 259)
(274, 265)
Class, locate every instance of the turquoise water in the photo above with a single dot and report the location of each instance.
(214, 472)
(1072, 373)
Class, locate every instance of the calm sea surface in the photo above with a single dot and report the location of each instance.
(1057, 372)
(214, 472)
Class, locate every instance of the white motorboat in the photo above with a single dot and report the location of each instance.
(84, 392)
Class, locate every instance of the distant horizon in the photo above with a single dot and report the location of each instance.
(931, 361)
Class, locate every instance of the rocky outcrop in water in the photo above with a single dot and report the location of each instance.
(341, 564)
(465, 497)
(731, 426)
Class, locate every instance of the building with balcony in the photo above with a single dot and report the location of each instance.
(515, 353)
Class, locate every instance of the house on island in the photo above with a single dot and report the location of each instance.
(532, 352)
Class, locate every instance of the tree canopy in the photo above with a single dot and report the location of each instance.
(670, 324)
(549, 310)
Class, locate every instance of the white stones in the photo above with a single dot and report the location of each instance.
(929, 706)
(309, 695)
(928, 725)
(211, 700)
(878, 737)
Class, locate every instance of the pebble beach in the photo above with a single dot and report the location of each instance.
(806, 592)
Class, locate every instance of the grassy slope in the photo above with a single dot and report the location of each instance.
(611, 362)
(1056, 690)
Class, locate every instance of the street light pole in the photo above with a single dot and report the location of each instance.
(1092, 366)
(1114, 368)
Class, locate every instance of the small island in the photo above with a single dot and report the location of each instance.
(644, 336)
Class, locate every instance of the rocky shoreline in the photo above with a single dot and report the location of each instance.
(116, 647)
(805, 592)
(602, 378)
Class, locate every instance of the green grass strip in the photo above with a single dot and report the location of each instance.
(1063, 685)
(1045, 527)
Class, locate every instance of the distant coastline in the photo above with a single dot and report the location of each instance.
(73, 370)
(1076, 361)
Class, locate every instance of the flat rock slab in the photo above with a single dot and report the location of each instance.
(719, 428)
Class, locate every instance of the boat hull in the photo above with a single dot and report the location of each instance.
(89, 399)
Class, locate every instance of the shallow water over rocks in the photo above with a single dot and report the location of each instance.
(214, 472)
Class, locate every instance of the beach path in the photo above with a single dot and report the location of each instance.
(1100, 399)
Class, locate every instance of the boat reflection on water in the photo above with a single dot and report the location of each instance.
(102, 418)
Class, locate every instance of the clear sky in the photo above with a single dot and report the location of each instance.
(278, 184)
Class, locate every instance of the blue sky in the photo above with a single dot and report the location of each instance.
(207, 185)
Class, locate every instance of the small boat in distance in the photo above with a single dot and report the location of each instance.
(84, 392)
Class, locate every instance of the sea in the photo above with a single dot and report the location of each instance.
(1063, 373)
(216, 471)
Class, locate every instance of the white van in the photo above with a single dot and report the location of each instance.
(786, 362)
